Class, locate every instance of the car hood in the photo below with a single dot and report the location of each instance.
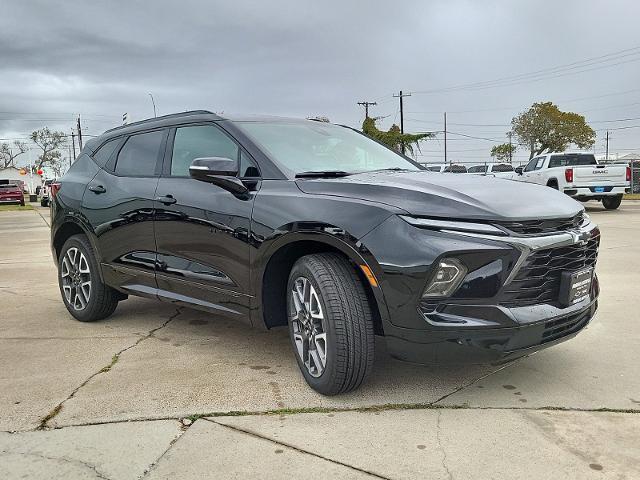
(457, 196)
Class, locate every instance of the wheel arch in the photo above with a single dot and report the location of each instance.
(67, 228)
(272, 277)
(553, 181)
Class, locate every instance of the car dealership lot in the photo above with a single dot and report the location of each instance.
(111, 399)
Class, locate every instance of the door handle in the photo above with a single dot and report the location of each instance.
(167, 200)
(97, 189)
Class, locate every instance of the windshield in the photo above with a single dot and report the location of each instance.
(314, 146)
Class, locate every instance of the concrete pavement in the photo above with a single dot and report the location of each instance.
(110, 399)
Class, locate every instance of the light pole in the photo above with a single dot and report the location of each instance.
(154, 104)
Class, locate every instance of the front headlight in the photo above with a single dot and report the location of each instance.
(446, 279)
(454, 226)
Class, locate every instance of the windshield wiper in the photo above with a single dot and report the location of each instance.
(323, 174)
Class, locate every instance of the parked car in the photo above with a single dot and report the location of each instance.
(580, 176)
(317, 228)
(499, 170)
(444, 168)
(45, 192)
(439, 167)
(11, 193)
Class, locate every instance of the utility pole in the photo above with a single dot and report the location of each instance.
(400, 96)
(510, 149)
(607, 147)
(445, 138)
(73, 143)
(366, 106)
(79, 133)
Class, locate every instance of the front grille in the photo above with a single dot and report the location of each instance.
(538, 280)
(533, 227)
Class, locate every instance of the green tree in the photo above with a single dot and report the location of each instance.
(503, 152)
(49, 142)
(8, 153)
(546, 128)
(393, 138)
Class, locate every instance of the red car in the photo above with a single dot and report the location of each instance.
(11, 193)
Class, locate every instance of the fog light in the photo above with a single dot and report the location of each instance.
(446, 279)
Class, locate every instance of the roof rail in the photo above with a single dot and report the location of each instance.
(164, 117)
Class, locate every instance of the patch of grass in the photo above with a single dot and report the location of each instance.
(13, 208)
(114, 360)
(631, 196)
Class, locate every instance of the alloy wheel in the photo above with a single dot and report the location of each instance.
(76, 278)
(309, 332)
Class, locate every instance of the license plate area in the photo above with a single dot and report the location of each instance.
(599, 189)
(575, 286)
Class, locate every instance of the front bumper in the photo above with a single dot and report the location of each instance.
(482, 322)
(486, 345)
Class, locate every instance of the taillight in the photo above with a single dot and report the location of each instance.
(53, 189)
(628, 174)
(568, 175)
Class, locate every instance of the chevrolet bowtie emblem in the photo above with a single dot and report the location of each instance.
(581, 237)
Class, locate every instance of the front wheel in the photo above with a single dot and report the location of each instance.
(611, 203)
(330, 323)
(84, 294)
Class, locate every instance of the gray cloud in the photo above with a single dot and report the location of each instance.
(100, 59)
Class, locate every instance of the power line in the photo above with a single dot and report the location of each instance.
(550, 72)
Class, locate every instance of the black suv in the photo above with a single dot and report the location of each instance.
(280, 222)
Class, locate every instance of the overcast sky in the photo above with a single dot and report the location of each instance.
(301, 58)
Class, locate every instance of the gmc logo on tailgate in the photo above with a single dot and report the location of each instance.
(600, 171)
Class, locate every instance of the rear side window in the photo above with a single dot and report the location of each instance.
(477, 169)
(198, 142)
(572, 160)
(502, 167)
(105, 151)
(139, 155)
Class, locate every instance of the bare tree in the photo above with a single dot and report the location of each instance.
(9, 153)
(49, 142)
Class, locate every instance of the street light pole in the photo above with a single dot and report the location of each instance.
(154, 104)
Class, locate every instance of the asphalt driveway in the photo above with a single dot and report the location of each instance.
(162, 392)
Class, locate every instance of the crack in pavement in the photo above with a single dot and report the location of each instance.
(298, 449)
(56, 410)
(41, 216)
(153, 464)
(302, 411)
(64, 459)
(481, 377)
(441, 446)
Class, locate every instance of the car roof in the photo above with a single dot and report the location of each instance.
(190, 116)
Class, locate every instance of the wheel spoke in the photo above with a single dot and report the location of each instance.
(307, 325)
(83, 265)
(75, 278)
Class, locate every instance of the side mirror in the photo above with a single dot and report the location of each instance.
(518, 170)
(219, 171)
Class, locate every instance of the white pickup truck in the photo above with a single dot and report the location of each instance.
(580, 176)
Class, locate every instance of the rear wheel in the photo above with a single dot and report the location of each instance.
(611, 203)
(330, 323)
(553, 184)
(83, 293)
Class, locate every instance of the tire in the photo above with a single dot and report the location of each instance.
(346, 322)
(96, 302)
(22, 203)
(611, 203)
